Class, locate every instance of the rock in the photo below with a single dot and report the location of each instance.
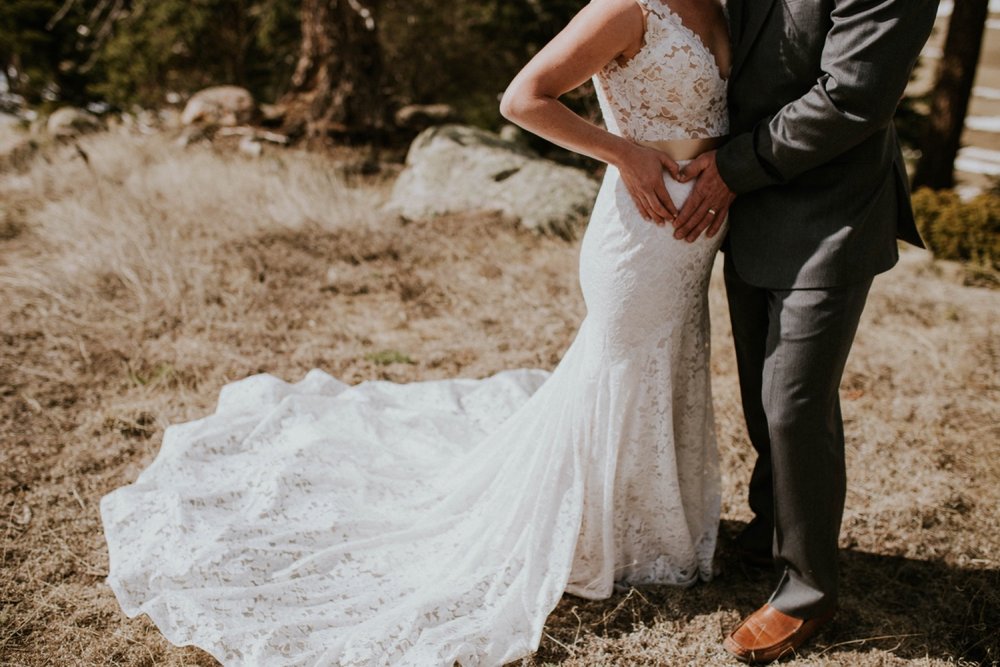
(220, 105)
(16, 151)
(422, 116)
(513, 134)
(71, 122)
(251, 147)
(455, 169)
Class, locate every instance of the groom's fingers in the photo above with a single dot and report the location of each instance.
(694, 168)
(705, 223)
(690, 206)
(708, 202)
(698, 221)
(717, 221)
(707, 218)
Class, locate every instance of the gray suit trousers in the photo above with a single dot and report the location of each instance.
(791, 348)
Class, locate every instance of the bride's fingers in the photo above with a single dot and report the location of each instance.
(666, 201)
(670, 165)
(654, 201)
(649, 203)
(647, 215)
(639, 203)
(659, 212)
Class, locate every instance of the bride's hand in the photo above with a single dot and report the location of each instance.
(603, 31)
(641, 169)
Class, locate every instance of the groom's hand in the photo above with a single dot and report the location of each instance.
(708, 204)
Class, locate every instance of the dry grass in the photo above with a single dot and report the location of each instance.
(138, 281)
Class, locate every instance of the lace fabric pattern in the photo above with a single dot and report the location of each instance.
(439, 522)
(671, 89)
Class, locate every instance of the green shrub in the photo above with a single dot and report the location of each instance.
(183, 46)
(478, 47)
(463, 53)
(967, 231)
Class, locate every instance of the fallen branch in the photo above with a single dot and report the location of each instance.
(260, 135)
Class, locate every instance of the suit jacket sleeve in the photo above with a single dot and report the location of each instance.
(866, 62)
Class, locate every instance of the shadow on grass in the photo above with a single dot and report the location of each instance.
(911, 608)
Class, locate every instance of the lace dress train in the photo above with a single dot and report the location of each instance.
(438, 522)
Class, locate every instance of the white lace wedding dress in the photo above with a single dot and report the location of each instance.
(438, 522)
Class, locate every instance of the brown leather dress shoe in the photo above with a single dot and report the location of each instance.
(768, 634)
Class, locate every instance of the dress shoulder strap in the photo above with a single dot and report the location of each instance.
(656, 7)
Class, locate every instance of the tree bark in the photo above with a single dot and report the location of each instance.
(950, 98)
(337, 84)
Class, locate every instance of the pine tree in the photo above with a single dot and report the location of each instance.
(337, 84)
(161, 46)
(38, 56)
(950, 98)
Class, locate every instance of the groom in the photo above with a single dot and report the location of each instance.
(816, 191)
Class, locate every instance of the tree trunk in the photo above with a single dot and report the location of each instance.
(337, 84)
(950, 98)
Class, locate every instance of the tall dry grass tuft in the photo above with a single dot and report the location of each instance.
(138, 220)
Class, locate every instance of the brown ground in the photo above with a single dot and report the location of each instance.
(132, 289)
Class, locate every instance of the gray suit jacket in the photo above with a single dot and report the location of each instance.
(814, 158)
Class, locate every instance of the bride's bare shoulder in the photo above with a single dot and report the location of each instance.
(616, 10)
(626, 19)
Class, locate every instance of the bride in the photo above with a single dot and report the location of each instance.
(438, 522)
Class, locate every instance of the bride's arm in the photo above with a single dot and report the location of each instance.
(601, 32)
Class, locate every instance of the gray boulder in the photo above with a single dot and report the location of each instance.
(514, 134)
(220, 105)
(457, 169)
(69, 122)
(422, 116)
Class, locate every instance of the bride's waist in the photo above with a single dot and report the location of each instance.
(685, 149)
